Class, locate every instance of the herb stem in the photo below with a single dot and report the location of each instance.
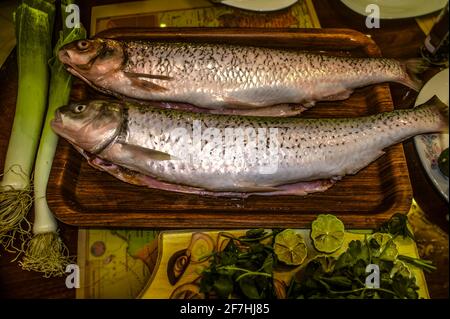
(426, 265)
(363, 289)
(254, 273)
(368, 248)
(246, 272)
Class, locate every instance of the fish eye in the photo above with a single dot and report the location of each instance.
(79, 108)
(83, 45)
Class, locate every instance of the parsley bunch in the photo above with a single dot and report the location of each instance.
(344, 277)
(243, 269)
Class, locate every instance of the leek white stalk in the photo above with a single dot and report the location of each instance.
(46, 251)
(34, 24)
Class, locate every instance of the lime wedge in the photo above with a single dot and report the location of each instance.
(290, 247)
(387, 249)
(400, 268)
(327, 233)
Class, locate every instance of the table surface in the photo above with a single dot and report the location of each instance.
(397, 39)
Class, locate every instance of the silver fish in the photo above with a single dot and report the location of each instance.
(228, 78)
(233, 155)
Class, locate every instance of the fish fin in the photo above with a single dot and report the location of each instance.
(308, 104)
(278, 110)
(343, 95)
(139, 152)
(252, 188)
(442, 109)
(238, 104)
(148, 76)
(301, 188)
(146, 85)
(414, 67)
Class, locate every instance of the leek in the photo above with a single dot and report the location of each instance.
(34, 24)
(46, 252)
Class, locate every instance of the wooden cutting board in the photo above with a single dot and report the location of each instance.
(82, 196)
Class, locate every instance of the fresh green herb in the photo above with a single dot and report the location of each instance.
(396, 225)
(344, 276)
(426, 265)
(243, 269)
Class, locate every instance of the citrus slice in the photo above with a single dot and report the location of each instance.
(327, 233)
(326, 262)
(400, 268)
(290, 247)
(387, 249)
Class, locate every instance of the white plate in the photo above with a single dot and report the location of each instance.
(397, 9)
(430, 146)
(260, 5)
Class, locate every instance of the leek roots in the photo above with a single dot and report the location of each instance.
(46, 253)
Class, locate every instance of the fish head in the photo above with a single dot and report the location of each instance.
(90, 59)
(90, 125)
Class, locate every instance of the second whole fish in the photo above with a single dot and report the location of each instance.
(233, 155)
(228, 79)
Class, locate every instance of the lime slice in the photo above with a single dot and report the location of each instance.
(290, 247)
(387, 249)
(327, 233)
(326, 262)
(400, 268)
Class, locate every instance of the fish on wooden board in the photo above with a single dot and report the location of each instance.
(228, 79)
(223, 155)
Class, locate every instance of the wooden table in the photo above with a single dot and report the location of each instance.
(399, 39)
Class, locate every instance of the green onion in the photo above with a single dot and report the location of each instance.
(34, 24)
(46, 252)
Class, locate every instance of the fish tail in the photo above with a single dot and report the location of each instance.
(441, 110)
(412, 68)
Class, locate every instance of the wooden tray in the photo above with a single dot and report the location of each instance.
(82, 196)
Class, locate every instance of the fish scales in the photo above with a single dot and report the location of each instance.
(228, 77)
(246, 75)
(307, 150)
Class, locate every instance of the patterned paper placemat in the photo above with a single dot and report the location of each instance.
(115, 263)
(199, 13)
